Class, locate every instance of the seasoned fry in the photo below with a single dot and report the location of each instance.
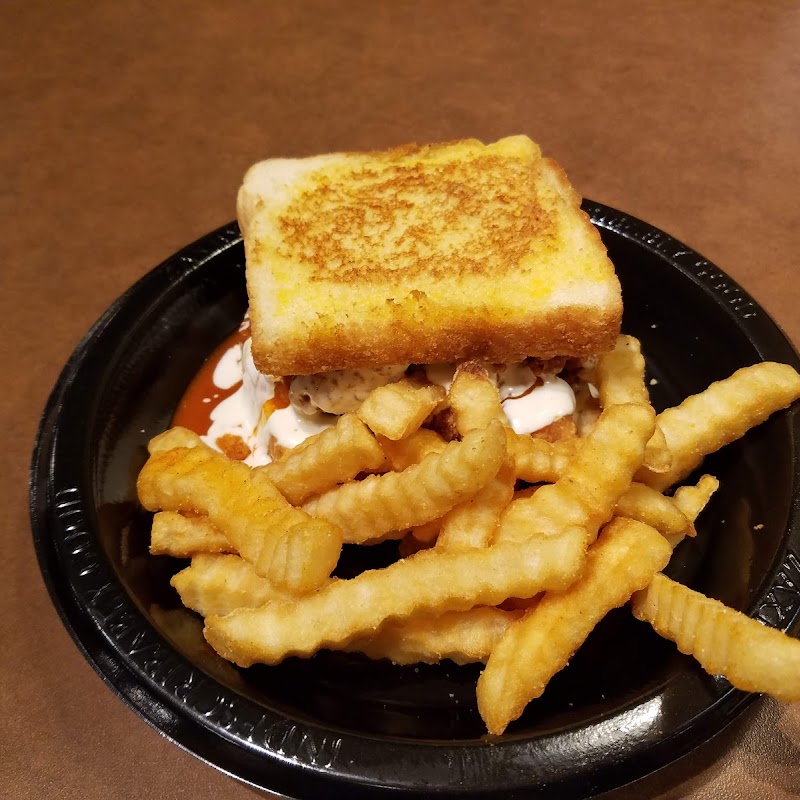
(620, 379)
(217, 584)
(657, 455)
(428, 580)
(705, 422)
(428, 532)
(591, 484)
(474, 522)
(336, 455)
(398, 409)
(691, 500)
(562, 429)
(465, 637)
(620, 374)
(174, 437)
(248, 509)
(474, 398)
(539, 461)
(183, 537)
(395, 501)
(644, 504)
(405, 452)
(475, 402)
(532, 650)
(752, 656)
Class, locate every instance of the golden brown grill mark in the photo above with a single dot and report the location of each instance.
(363, 229)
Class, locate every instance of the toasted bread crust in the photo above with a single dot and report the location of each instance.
(572, 332)
(422, 255)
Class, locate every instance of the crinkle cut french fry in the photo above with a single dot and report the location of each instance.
(620, 374)
(172, 438)
(405, 452)
(532, 650)
(218, 584)
(428, 532)
(657, 455)
(591, 484)
(395, 501)
(336, 455)
(691, 500)
(430, 579)
(705, 422)
(248, 509)
(173, 534)
(752, 656)
(397, 409)
(475, 402)
(538, 461)
(560, 430)
(419, 538)
(620, 379)
(474, 522)
(465, 637)
(645, 504)
(474, 398)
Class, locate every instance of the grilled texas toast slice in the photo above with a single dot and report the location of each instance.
(422, 255)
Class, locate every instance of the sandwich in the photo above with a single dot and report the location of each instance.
(363, 267)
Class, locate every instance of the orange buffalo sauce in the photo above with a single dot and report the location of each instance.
(279, 400)
(202, 395)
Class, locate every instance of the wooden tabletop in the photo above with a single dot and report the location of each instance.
(127, 128)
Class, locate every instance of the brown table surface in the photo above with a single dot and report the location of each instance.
(126, 130)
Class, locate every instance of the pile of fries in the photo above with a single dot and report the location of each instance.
(513, 547)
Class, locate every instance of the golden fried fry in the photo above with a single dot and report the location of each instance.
(532, 650)
(336, 455)
(587, 410)
(397, 409)
(560, 430)
(428, 580)
(475, 402)
(217, 584)
(419, 538)
(248, 509)
(405, 452)
(539, 461)
(474, 398)
(174, 437)
(705, 422)
(465, 637)
(644, 504)
(591, 484)
(474, 522)
(183, 537)
(620, 374)
(691, 500)
(657, 455)
(428, 532)
(399, 500)
(620, 379)
(750, 655)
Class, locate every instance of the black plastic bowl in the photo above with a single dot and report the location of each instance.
(628, 703)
